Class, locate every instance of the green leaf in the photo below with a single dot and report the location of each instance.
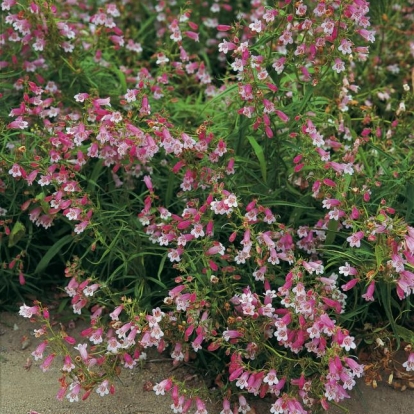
(332, 231)
(121, 77)
(41, 199)
(409, 194)
(16, 234)
(385, 296)
(52, 252)
(161, 267)
(170, 189)
(258, 150)
(405, 334)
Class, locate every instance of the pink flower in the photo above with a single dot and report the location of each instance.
(282, 116)
(102, 102)
(82, 350)
(128, 361)
(201, 407)
(148, 183)
(16, 171)
(409, 364)
(271, 378)
(47, 362)
(67, 364)
(90, 290)
(349, 285)
(330, 202)
(348, 343)
(369, 295)
(216, 249)
(368, 35)
(223, 27)
(18, 123)
(175, 255)
(28, 312)
(103, 388)
(347, 270)
(231, 334)
(355, 239)
(38, 352)
(338, 66)
(243, 406)
(163, 386)
(73, 395)
(80, 97)
(226, 407)
(192, 35)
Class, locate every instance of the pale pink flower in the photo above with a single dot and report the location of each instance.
(91, 289)
(73, 395)
(68, 366)
(338, 66)
(409, 364)
(163, 386)
(231, 334)
(355, 239)
(28, 312)
(82, 350)
(271, 378)
(38, 352)
(103, 388)
(116, 312)
(347, 270)
(113, 345)
(345, 47)
(348, 343)
(256, 26)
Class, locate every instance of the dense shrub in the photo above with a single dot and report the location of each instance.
(227, 181)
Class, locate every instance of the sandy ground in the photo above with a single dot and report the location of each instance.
(23, 391)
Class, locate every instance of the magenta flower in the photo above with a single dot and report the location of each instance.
(223, 27)
(349, 285)
(369, 295)
(192, 35)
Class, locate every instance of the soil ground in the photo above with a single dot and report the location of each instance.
(31, 391)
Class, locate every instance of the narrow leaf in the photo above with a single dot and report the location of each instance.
(258, 150)
(52, 252)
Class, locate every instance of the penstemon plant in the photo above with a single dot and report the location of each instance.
(226, 182)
